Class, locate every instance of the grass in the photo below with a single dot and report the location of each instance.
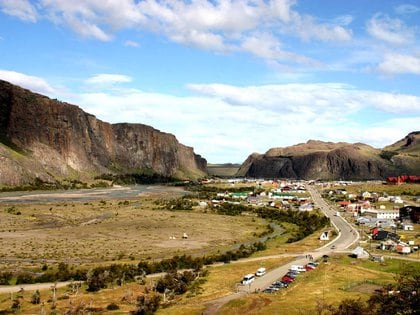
(409, 190)
(221, 281)
(330, 283)
(279, 244)
(111, 231)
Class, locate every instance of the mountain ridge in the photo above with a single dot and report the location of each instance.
(333, 161)
(47, 139)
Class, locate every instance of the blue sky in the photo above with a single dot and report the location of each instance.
(227, 77)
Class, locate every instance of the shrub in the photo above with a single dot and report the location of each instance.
(112, 307)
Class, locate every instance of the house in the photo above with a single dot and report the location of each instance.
(363, 220)
(324, 236)
(403, 248)
(388, 245)
(383, 214)
(407, 227)
(366, 195)
(380, 235)
(360, 253)
(306, 207)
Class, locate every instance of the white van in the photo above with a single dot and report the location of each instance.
(260, 272)
(248, 279)
(297, 268)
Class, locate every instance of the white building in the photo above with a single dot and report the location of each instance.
(383, 214)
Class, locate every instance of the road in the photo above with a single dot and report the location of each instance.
(346, 237)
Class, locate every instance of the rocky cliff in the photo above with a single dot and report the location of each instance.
(334, 161)
(48, 139)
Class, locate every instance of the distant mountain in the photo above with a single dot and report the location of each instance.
(223, 170)
(44, 139)
(334, 161)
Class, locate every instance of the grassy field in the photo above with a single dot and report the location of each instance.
(221, 281)
(409, 190)
(92, 233)
(104, 231)
(330, 283)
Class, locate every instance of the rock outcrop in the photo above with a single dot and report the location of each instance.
(48, 139)
(334, 161)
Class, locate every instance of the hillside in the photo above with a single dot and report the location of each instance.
(223, 170)
(334, 161)
(45, 139)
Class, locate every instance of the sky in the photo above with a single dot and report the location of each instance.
(227, 77)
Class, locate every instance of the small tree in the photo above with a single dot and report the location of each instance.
(36, 297)
(147, 304)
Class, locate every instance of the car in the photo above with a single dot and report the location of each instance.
(279, 284)
(291, 275)
(287, 279)
(269, 290)
(313, 263)
(309, 267)
(248, 279)
(260, 272)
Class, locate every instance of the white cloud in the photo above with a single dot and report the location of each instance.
(220, 26)
(21, 9)
(407, 9)
(131, 43)
(308, 28)
(393, 31)
(33, 83)
(329, 100)
(399, 64)
(107, 78)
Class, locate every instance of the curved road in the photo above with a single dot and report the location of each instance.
(347, 236)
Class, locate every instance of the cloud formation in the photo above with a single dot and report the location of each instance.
(392, 31)
(21, 9)
(399, 64)
(107, 78)
(220, 26)
(33, 83)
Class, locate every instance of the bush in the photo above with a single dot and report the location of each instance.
(112, 307)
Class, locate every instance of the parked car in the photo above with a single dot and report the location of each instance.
(248, 279)
(287, 279)
(298, 268)
(260, 272)
(269, 290)
(309, 267)
(313, 263)
(291, 275)
(280, 284)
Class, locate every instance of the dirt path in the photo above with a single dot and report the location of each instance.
(32, 287)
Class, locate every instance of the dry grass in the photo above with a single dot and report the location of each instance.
(330, 283)
(108, 231)
(221, 281)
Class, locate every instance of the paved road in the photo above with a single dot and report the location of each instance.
(347, 236)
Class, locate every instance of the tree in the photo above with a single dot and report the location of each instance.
(147, 304)
(36, 297)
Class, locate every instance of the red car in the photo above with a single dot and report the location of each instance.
(287, 279)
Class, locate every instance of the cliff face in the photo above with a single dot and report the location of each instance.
(47, 139)
(334, 161)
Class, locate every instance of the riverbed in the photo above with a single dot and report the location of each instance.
(119, 192)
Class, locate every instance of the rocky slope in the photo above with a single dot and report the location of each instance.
(333, 161)
(48, 139)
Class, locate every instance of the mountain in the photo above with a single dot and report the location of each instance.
(223, 170)
(334, 161)
(45, 139)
